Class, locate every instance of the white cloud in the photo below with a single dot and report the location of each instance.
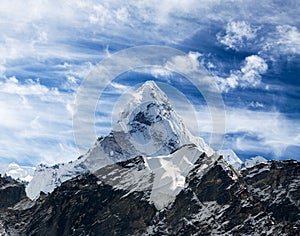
(168, 71)
(289, 38)
(12, 86)
(272, 131)
(157, 72)
(119, 88)
(2, 71)
(275, 133)
(34, 123)
(237, 34)
(254, 67)
(248, 76)
(39, 32)
(284, 40)
(43, 29)
(185, 64)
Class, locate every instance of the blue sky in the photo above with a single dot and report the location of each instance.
(47, 48)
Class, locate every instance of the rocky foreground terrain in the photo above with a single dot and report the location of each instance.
(262, 200)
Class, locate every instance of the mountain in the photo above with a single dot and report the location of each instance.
(148, 126)
(214, 199)
(47, 178)
(150, 176)
(22, 173)
(254, 161)
(231, 158)
(152, 125)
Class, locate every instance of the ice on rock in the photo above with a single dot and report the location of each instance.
(47, 178)
(254, 161)
(22, 173)
(152, 124)
(231, 158)
(148, 126)
(170, 172)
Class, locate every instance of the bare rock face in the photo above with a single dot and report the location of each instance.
(277, 184)
(216, 199)
(11, 192)
(265, 203)
(86, 206)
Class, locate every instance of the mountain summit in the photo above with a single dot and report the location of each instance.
(150, 176)
(152, 125)
(148, 126)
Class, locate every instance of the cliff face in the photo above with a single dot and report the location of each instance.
(263, 199)
(11, 192)
(277, 184)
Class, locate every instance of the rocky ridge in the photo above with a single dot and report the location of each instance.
(260, 200)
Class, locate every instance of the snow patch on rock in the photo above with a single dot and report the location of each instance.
(231, 158)
(254, 161)
(17, 172)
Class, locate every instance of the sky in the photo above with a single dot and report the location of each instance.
(251, 50)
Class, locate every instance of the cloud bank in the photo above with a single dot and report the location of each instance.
(47, 48)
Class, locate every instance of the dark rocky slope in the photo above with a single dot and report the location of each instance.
(11, 192)
(262, 200)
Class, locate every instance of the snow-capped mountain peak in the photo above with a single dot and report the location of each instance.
(22, 173)
(47, 178)
(152, 125)
(253, 161)
(150, 91)
(231, 158)
(148, 126)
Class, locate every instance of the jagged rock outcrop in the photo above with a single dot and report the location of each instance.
(218, 203)
(216, 199)
(277, 184)
(11, 192)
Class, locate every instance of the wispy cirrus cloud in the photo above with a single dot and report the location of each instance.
(56, 44)
(38, 29)
(284, 40)
(275, 132)
(35, 122)
(250, 131)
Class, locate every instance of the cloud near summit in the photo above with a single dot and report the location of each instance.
(251, 49)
